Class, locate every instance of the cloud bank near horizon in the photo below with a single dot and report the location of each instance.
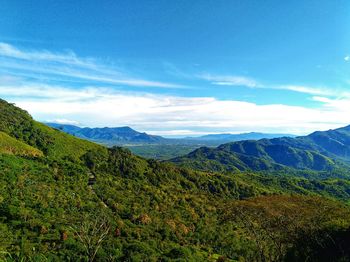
(93, 106)
(26, 79)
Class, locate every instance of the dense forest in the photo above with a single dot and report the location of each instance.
(66, 199)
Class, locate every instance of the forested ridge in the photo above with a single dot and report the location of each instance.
(320, 151)
(66, 199)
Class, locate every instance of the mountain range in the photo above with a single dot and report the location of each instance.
(222, 138)
(327, 150)
(151, 146)
(127, 135)
(109, 135)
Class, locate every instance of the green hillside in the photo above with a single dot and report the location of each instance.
(9, 145)
(19, 124)
(78, 201)
(320, 151)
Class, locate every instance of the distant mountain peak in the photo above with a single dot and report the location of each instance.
(228, 137)
(108, 134)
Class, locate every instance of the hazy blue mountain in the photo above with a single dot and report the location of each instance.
(317, 151)
(237, 137)
(126, 134)
(108, 134)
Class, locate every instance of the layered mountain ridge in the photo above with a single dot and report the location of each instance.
(125, 134)
(324, 150)
(109, 134)
(237, 137)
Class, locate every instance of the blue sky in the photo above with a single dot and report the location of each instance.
(179, 67)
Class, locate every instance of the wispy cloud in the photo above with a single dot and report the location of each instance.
(67, 67)
(69, 57)
(230, 80)
(309, 90)
(252, 83)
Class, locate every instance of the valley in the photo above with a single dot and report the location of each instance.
(150, 146)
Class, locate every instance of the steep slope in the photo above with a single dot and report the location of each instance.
(18, 124)
(326, 150)
(61, 145)
(333, 142)
(9, 145)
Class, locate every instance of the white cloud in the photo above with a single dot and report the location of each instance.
(105, 107)
(63, 122)
(347, 58)
(321, 99)
(335, 104)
